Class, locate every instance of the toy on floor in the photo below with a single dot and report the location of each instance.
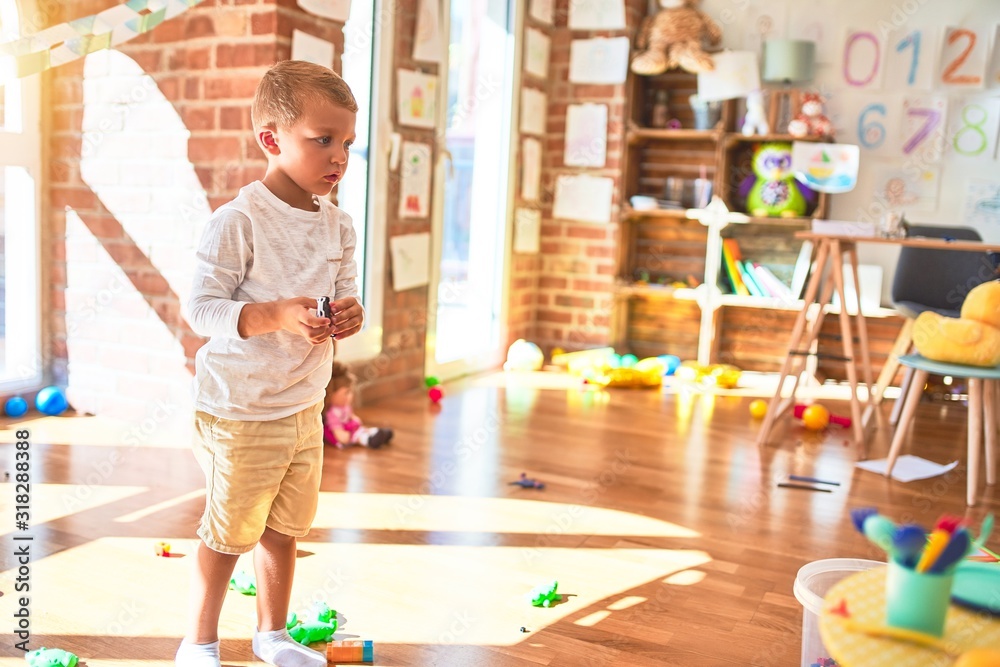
(758, 408)
(350, 650)
(341, 427)
(825, 662)
(523, 355)
(51, 401)
(717, 375)
(673, 38)
(544, 595)
(51, 657)
(15, 406)
(527, 482)
(772, 190)
(243, 583)
(320, 627)
(435, 394)
(162, 549)
(972, 339)
(816, 417)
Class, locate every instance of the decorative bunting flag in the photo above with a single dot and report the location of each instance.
(66, 42)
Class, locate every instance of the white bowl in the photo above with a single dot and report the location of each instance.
(643, 203)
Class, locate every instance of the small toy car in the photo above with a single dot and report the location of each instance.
(323, 307)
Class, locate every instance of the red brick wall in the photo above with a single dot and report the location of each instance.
(577, 266)
(165, 139)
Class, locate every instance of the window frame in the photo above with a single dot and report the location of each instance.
(368, 343)
(23, 148)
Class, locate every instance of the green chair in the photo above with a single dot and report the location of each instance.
(984, 392)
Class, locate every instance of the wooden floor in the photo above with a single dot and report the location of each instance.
(660, 519)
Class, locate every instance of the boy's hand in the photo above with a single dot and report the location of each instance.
(298, 316)
(348, 317)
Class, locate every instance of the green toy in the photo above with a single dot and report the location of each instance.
(772, 189)
(544, 595)
(243, 583)
(51, 657)
(319, 629)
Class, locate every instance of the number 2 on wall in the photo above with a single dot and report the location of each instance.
(932, 118)
(949, 75)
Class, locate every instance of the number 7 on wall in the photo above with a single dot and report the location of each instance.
(923, 119)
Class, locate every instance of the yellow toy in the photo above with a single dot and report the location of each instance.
(973, 339)
(815, 417)
(718, 375)
(758, 409)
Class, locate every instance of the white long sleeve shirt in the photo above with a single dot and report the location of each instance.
(256, 249)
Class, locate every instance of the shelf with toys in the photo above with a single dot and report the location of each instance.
(672, 293)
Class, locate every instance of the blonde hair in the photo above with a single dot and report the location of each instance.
(285, 88)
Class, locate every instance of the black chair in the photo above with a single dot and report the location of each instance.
(935, 280)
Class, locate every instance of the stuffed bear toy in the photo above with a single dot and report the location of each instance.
(811, 122)
(673, 38)
(972, 339)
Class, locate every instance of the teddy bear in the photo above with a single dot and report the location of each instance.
(972, 339)
(673, 38)
(811, 122)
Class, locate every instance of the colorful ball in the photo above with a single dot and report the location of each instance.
(430, 381)
(51, 401)
(435, 394)
(15, 407)
(758, 408)
(816, 417)
(671, 361)
(629, 360)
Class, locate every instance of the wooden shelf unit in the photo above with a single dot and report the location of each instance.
(661, 247)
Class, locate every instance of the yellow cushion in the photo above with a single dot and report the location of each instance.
(956, 341)
(982, 304)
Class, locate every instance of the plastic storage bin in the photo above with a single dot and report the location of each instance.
(811, 585)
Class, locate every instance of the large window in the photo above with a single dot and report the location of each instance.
(20, 177)
(366, 62)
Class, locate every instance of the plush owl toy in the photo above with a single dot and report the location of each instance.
(772, 190)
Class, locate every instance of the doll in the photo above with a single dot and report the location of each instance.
(341, 427)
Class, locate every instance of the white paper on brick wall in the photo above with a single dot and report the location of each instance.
(584, 198)
(542, 11)
(335, 10)
(531, 168)
(415, 180)
(410, 260)
(534, 111)
(597, 15)
(536, 53)
(586, 135)
(427, 42)
(312, 49)
(599, 60)
(527, 230)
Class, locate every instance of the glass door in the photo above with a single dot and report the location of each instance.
(472, 197)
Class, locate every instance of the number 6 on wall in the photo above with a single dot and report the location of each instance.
(871, 133)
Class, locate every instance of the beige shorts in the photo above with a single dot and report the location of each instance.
(257, 474)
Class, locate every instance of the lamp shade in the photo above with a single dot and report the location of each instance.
(789, 60)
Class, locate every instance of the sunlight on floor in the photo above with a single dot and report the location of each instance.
(374, 511)
(468, 595)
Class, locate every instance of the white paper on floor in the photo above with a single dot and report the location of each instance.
(908, 468)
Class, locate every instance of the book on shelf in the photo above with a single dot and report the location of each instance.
(801, 271)
(774, 287)
(730, 257)
(746, 273)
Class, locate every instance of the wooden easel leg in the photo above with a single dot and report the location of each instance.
(848, 344)
(891, 366)
(866, 362)
(990, 429)
(797, 329)
(909, 402)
